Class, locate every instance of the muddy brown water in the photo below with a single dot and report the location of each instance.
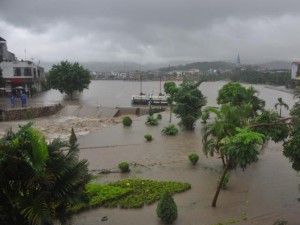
(265, 192)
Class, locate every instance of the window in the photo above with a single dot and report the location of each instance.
(27, 71)
(17, 71)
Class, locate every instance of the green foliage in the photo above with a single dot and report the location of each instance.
(159, 116)
(99, 195)
(170, 130)
(152, 121)
(237, 95)
(127, 121)
(272, 130)
(194, 157)
(132, 193)
(204, 116)
(189, 101)
(244, 147)
(148, 137)
(38, 180)
(68, 77)
(167, 209)
(124, 166)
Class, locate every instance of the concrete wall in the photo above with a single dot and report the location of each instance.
(29, 112)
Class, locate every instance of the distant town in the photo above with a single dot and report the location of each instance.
(29, 77)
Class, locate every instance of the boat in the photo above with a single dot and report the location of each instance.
(140, 99)
(143, 99)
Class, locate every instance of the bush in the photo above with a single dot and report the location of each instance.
(151, 121)
(170, 130)
(194, 158)
(159, 116)
(127, 121)
(166, 209)
(148, 137)
(124, 166)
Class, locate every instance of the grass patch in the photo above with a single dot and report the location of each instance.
(132, 193)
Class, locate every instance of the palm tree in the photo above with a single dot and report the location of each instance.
(38, 180)
(281, 104)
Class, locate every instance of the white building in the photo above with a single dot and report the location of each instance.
(295, 71)
(22, 75)
(19, 75)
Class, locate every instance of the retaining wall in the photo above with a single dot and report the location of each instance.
(29, 112)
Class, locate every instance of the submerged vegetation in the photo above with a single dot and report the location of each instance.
(132, 193)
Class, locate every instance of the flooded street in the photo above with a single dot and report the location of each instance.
(265, 192)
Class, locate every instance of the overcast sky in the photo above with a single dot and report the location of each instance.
(152, 31)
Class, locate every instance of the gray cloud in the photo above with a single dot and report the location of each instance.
(151, 31)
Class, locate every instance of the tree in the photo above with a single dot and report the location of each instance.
(291, 146)
(281, 104)
(240, 126)
(166, 209)
(189, 101)
(236, 94)
(68, 77)
(38, 180)
(241, 149)
(171, 89)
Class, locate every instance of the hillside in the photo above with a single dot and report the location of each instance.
(203, 66)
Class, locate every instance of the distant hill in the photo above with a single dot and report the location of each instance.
(203, 66)
(110, 66)
(276, 65)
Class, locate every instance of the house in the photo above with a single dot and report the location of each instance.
(295, 73)
(19, 76)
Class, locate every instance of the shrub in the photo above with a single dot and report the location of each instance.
(159, 116)
(166, 209)
(124, 166)
(170, 130)
(127, 121)
(151, 121)
(148, 137)
(194, 158)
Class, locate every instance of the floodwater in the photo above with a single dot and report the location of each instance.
(265, 192)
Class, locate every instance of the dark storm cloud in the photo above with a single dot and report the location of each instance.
(157, 30)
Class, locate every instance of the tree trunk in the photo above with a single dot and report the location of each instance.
(170, 114)
(214, 202)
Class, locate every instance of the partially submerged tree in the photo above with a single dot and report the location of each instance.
(189, 101)
(240, 126)
(241, 149)
(171, 90)
(68, 77)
